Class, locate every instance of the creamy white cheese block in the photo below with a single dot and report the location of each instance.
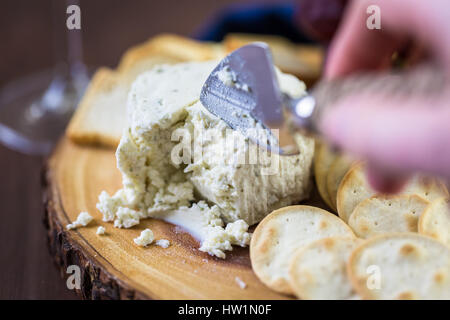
(179, 164)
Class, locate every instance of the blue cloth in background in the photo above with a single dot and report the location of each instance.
(253, 18)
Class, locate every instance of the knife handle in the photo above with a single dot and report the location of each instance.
(304, 113)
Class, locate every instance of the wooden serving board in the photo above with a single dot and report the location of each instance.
(112, 266)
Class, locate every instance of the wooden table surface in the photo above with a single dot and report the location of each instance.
(109, 26)
(26, 269)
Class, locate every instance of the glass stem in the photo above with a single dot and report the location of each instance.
(70, 75)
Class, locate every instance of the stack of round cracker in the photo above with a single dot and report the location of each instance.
(378, 247)
(329, 169)
(278, 237)
(354, 189)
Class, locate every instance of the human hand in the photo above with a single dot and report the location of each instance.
(398, 134)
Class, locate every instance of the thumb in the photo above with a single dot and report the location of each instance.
(384, 180)
(397, 134)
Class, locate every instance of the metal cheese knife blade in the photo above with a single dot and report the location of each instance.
(243, 90)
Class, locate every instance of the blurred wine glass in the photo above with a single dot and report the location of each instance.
(35, 109)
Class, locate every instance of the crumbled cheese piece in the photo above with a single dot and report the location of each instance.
(204, 223)
(101, 230)
(237, 231)
(219, 239)
(244, 87)
(146, 237)
(230, 79)
(83, 220)
(163, 243)
(108, 205)
(226, 76)
(216, 242)
(126, 218)
(240, 283)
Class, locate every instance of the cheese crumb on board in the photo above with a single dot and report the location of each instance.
(163, 243)
(83, 220)
(101, 230)
(240, 283)
(145, 238)
(219, 239)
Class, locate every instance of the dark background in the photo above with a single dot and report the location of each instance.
(109, 28)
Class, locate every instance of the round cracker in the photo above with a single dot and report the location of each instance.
(386, 214)
(408, 265)
(355, 188)
(281, 233)
(323, 158)
(336, 173)
(318, 271)
(435, 222)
